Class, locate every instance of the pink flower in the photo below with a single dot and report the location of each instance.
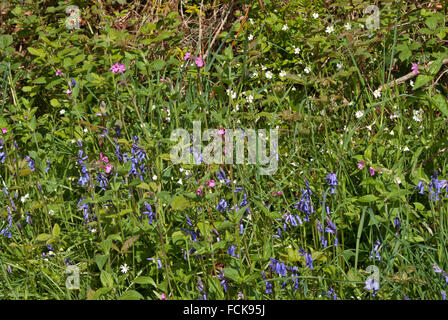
(199, 192)
(118, 68)
(108, 168)
(361, 165)
(279, 193)
(187, 56)
(4, 130)
(68, 91)
(372, 171)
(59, 72)
(163, 296)
(415, 67)
(104, 159)
(162, 80)
(211, 183)
(199, 62)
(222, 131)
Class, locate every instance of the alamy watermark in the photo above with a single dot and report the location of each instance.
(72, 281)
(220, 149)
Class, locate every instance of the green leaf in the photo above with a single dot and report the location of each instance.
(157, 65)
(44, 237)
(5, 41)
(100, 260)
(106, 279)
(232, 274)
(36, 52)
(441, 104)
(56, 230)
(145, 280)
(368, 198)
(55, 103)
(180, 203)
(131, 295)
(422, 79)
(435, 66)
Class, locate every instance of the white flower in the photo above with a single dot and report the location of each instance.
(296, 50)
(285, 27)
(250, 98)
(307, 70)
(359, 114)
(62, 112)
(153, 107)
(282, 73)
(93, 230)
(73, 141)
(181, 169)
(154, 177)
(397, 180)
(377, 93)
(329, 29)
(23, 199)
(315, 15)
(418, 115)
(255, 74)
(85, 130)
(347, 26)
(269, 75)
(411, 83)
(237, 107)
(392, 132)
(369, 127)
(263, 67)
(180, 181)
(395, 115)
(250, 37)
(339, 66)
(51, 212)
(187, 173)
(231, 93)
(406, 149)
(251, 21)
(124, 268)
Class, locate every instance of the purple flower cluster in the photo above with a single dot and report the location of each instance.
(305, 204)
(6, 232)
(84, 178)
(30, 163)
(375, 251)
(282, 270)
(149, 213)
(332, 181)
(138, 156)
(308, 259)
(2, 153)
(443, 274)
